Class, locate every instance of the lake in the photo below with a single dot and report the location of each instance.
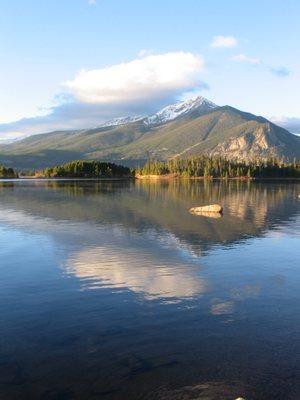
(112, 290)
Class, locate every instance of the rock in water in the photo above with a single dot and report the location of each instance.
(207, 214)
(213, 208)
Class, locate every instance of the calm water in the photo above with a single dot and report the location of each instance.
(114, 291)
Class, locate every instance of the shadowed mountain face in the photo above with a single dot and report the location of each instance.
(187, 129)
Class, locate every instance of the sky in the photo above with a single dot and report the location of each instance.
(76, 63)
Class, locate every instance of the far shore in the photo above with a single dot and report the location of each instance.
(202, 178)
(33, 178)
(165, 177)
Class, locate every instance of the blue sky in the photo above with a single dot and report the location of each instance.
(75, 63)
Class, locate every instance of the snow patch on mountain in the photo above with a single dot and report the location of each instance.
(166, 114)
(122, 121)
(173, 111)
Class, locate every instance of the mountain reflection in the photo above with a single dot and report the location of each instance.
(250, 208)
(116, 284)
(140, 236)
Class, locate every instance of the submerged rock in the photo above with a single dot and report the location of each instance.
(211, 209)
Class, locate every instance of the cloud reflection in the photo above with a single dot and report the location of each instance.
(136, 270)
(222, 308)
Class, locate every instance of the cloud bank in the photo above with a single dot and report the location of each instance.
(138, 87)
(151, 77)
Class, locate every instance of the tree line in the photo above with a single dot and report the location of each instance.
(7, 173)
(218, 167)
(86, 169)
(202, 166)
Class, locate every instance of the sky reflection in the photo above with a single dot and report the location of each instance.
(109, 290)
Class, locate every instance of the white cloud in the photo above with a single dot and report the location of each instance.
(92, 2)
(10, 137)
(139, 87)
(224, 41)
(246, 59)
(150, 77)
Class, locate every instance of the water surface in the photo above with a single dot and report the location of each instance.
(112, 290)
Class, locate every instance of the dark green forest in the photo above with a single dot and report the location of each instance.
(203, 166)
(7, 173)
(217, 167)
(87, 169)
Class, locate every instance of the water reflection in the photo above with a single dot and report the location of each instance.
(250, 208)
(220, 307)
(152, 275)
(141, 236)
(113, 290)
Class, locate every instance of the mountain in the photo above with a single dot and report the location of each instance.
(169, 113)
(200, 104)
(184, 129)
(121, 121)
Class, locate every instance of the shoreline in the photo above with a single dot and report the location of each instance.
(202, 178)
(166, 177)
(29, 178)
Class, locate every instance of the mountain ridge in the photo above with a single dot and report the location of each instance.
(188, 128)
(164, 115)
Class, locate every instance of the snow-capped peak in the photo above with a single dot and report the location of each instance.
(175, 110)
(122, 121)
(166, 114)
